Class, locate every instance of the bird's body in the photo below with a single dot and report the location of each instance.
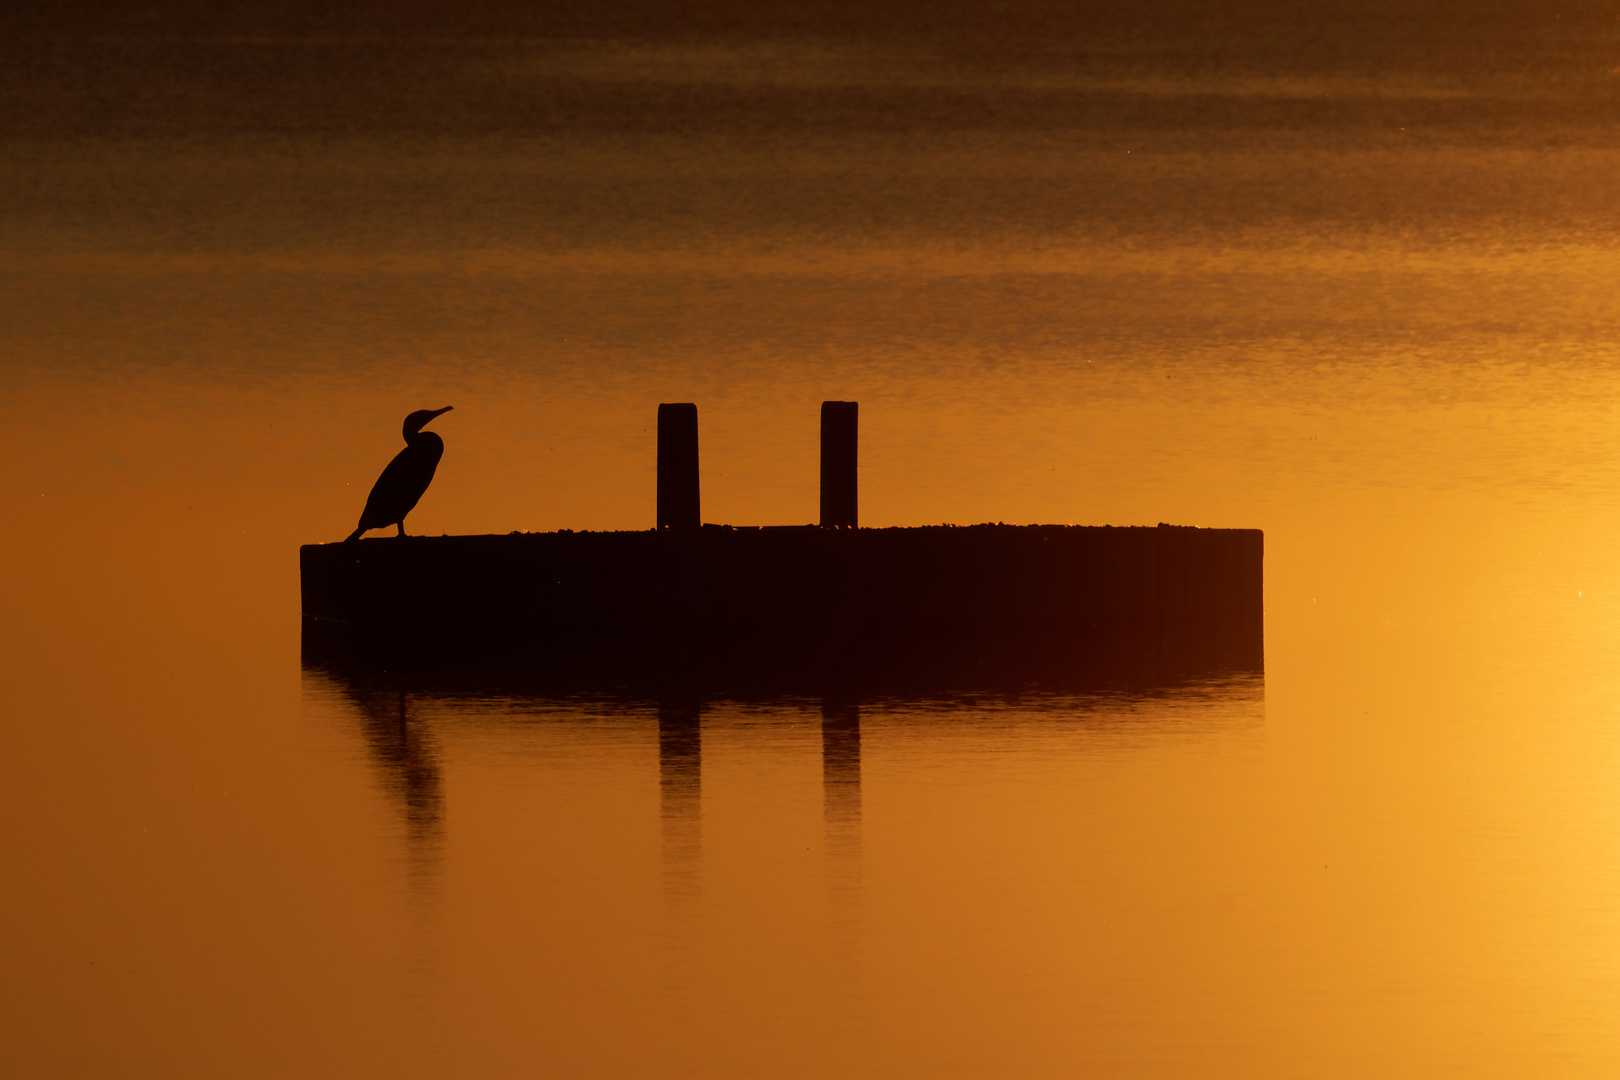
(402, 483)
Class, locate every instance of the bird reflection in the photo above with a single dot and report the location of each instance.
(680, 787)
(403, 482)
(407, 763)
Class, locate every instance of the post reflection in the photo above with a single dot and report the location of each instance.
(680, 788)
(841, 801)
(841, 772)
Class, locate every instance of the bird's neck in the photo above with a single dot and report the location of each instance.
(422, 438)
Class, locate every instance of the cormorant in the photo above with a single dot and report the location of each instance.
(401, 484)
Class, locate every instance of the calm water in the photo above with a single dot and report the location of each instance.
(1360, 297)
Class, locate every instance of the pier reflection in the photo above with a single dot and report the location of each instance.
(588, 783)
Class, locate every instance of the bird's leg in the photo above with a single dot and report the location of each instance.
(401, 525)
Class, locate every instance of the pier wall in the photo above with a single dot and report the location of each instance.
(721, 608)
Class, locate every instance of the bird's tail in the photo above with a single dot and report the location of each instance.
(355, 535)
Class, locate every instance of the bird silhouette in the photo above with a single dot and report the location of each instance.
(397, 490)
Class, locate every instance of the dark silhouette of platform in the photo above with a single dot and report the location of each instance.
(799, 608)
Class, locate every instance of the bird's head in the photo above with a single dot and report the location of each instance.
(415, 421)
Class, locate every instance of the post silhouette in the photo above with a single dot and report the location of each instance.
(838, 461)
(678, 506)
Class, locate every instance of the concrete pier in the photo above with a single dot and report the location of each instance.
(721, 609)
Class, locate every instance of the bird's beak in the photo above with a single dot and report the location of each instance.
(441, 412)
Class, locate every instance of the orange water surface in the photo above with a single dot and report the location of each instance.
(1253, 298)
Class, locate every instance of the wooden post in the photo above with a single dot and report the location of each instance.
(838, 454)
(678, 467)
